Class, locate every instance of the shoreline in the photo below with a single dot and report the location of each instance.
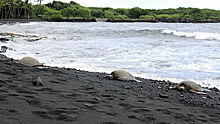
(74, 96)
(11, 21)
(160, 21)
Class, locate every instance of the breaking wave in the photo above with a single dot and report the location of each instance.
(196, 35)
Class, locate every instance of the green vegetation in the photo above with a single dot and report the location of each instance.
(15, 9)
(56, 10)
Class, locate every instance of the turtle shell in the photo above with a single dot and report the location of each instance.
(29, 61)
(190, 85)
(122, 75)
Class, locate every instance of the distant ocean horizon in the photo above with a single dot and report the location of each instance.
(163, 51)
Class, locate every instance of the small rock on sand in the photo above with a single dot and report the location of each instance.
(36, 80)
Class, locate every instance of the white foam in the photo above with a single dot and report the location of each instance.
(27, 24)
(196, 35)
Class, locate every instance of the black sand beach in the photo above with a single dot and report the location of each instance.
(81, 97)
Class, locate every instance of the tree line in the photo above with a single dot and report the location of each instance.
(15, 9)
(23, 9)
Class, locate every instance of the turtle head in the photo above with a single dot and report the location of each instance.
(181, 88)
(110, 77)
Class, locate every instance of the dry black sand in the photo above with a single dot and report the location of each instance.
(74, 96)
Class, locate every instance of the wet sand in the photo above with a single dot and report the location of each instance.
(81, 97)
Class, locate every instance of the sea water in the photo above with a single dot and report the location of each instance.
(164, 51)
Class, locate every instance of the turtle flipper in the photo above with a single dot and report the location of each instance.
(126, 79)
(199, 93)
(123, 79)
(137, 80)
(203, 90)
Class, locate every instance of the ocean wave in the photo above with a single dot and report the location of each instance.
(27, 24)
(196, 35)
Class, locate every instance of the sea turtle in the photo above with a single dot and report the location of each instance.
(122, 76)
(29, 61)
(36, 80)
(191, 86)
